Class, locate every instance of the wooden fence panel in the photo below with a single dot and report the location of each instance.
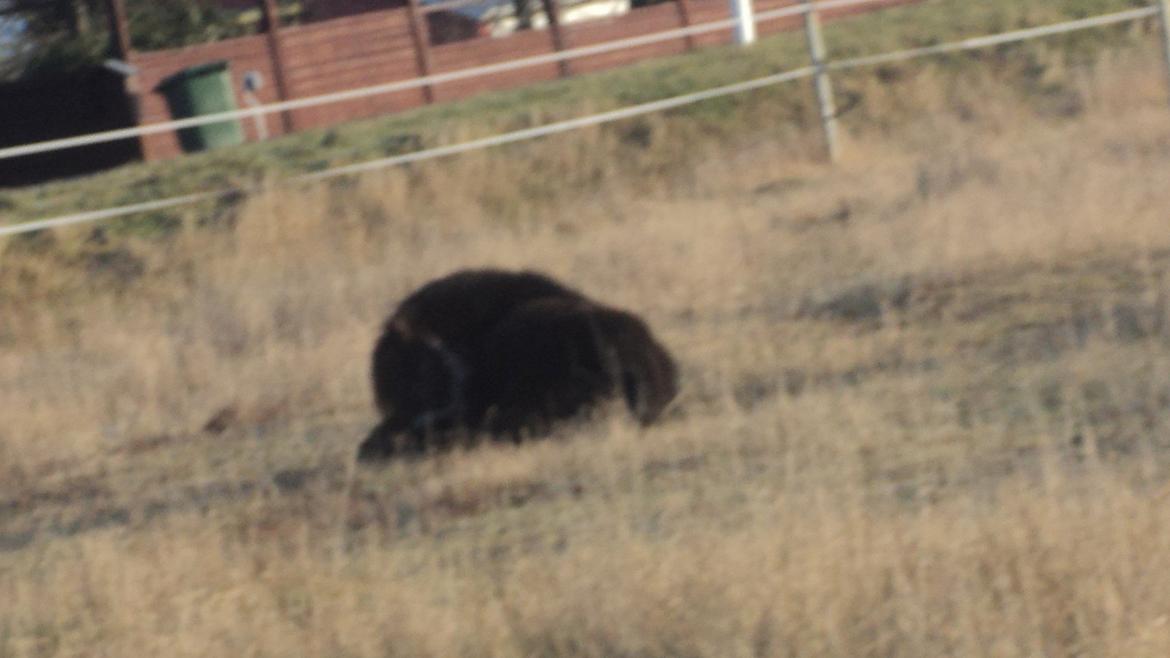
(786, 24)
(378, 47)
(708, 11)
(647, 20)
(350, 53)
(486, 50)
(242, 54)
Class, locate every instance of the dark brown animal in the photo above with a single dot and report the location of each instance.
(506, 354)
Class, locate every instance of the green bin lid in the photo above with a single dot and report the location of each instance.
(194, 72)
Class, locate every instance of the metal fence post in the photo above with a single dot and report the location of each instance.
(824, 87)
(1164, 15)
(745, 27)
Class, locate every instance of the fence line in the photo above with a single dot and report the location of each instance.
(560, 126)
(414, 83)
(418, 156)
(597, 119)
(117, 211)
(1163, 7)
(826, 105)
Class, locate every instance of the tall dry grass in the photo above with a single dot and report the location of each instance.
(923, 410)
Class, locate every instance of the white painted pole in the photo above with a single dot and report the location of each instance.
(1164, 14)
(745, 26)
(824, 87)
(261, 119)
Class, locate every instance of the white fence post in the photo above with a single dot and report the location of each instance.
(824, 87)
(745, 27)
(1164, 14)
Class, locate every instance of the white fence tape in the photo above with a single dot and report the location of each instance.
(418, 156)
(415, 83)
(119, 211)
(596, 119)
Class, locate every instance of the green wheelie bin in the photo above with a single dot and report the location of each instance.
(200, 90)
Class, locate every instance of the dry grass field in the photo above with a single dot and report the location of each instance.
(924, 408)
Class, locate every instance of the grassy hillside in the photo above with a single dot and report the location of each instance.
(924, 407)
(1034, 69)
